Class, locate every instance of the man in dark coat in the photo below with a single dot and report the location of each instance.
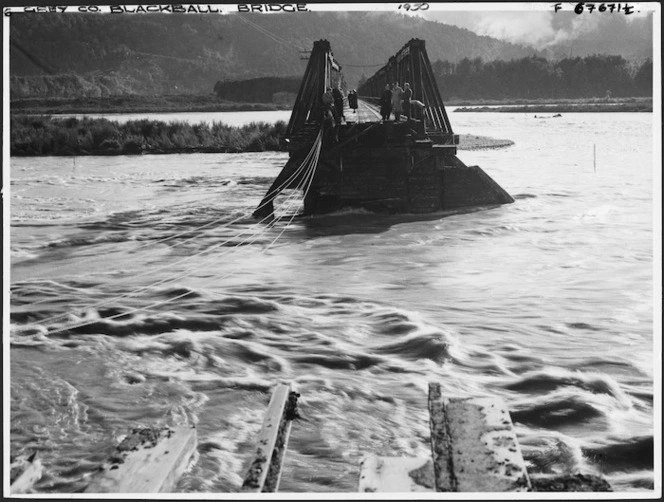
(352, 100)
(339, 103)
(386, 103)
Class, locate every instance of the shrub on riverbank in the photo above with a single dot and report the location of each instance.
(45, 135)
(136, 104)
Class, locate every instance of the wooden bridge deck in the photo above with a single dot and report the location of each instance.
(366, 112)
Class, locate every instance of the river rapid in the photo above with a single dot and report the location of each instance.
(143, 293)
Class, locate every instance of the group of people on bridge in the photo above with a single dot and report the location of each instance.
(398, 101)
(394, 100)
(333, 104)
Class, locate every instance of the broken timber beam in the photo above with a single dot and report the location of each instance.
(24, 473)
(265, 470)
(474, 446)
(149, 460)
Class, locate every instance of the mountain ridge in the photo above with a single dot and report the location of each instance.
(166, 53)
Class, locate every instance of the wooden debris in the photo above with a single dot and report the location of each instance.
(474, 445)
(569, 483)
(25, 471)
(149, 460)
(265, 470)
(396, 474)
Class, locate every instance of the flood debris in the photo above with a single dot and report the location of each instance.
(24, 472)
(570, 483)
(264, 471)
(292, 411)
(148, 460)
(143, 436)
(474, 449)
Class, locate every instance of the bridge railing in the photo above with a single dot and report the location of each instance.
(411, 64)
(322, 71)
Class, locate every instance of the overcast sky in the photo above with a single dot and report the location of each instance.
(538, 28)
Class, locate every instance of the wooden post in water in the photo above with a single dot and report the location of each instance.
(265, 470)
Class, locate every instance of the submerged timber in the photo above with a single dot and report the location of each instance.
(406, 166)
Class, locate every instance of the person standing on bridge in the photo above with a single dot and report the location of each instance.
(386, 103)
(352, 100)
(339, 103)
(397, 95)
(407, 95)
(330, 119)
(328, 104)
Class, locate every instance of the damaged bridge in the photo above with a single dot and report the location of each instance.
(363, 161)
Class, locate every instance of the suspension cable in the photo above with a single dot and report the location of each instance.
(310, 175)
(185, 232)
(241, 217)
(315, 148)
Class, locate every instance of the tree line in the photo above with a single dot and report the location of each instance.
(537, 77)
(258, 90)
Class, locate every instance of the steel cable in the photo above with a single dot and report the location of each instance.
(309, 174)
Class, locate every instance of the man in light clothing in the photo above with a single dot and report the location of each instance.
(397, 95)
(407, 95)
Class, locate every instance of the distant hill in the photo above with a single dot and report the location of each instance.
(101, 55)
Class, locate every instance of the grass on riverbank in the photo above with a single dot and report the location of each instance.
(211, 103)
(137, 104)
(86, 136)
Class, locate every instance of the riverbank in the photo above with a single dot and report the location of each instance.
(471, 142)
(137, 104)
(570, 106)
(44, 136)
(211, 103)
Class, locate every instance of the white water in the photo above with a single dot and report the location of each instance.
(547, 302)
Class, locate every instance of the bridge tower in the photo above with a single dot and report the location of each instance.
(322, 72)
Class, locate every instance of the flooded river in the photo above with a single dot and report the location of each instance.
(143, 293)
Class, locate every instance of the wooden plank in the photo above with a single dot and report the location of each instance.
(24, 473)
(150, 460)
(474, 445)
(264, 472)
(396, 474)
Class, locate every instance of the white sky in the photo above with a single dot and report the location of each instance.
(539, 28)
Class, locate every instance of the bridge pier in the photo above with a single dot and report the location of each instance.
(406, 166)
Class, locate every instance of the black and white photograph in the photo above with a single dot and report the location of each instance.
(332, 250)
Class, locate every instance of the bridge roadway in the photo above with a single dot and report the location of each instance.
(366, 112)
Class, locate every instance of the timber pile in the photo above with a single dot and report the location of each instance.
(24, 472)
(473, 444)
(265, 470)
(474, 449)
(149, 460)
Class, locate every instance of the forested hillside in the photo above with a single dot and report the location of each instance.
(535, 77)
(75, 55)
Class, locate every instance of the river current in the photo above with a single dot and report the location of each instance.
(143, 293)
